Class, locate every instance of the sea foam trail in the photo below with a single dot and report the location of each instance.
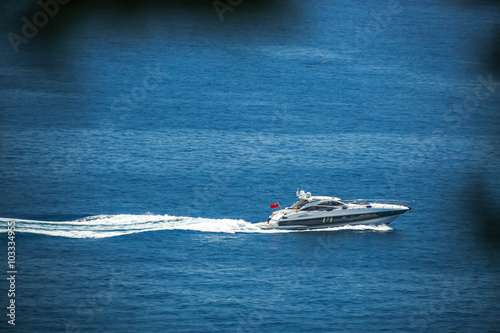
(102, 226)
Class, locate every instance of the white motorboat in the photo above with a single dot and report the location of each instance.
(314, 212)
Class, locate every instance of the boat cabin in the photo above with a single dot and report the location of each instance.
(315, 205)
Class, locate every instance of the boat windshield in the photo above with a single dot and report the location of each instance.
(332, 203)
(299, 204)
(322, 205)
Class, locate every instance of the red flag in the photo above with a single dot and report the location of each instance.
(274, 205)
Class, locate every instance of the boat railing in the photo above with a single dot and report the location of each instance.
(384, 202)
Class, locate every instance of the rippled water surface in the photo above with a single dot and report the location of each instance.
(140, 146)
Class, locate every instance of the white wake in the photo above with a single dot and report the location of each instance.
(102, 226)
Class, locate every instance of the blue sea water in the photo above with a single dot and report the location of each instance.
(140, 145)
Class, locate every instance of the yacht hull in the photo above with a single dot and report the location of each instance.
(371, 218)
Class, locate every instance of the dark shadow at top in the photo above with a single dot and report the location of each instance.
(46, 26)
